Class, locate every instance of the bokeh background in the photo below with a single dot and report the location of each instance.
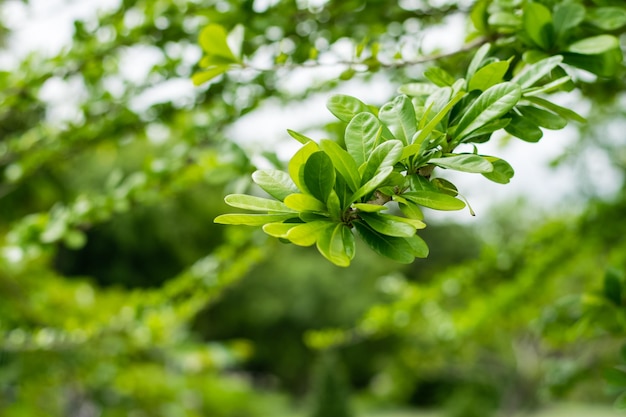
(120, 297)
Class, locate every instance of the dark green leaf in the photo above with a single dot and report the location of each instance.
(395, 248)
(298, 161)
(387, 225)
(542, 117)
(613, 288)
(372, 184)
(561, 111)
(343, 162)
(524, 129)
(445, 186)
(419, 247)
(502, 171)
(319, 175)
(615, 377)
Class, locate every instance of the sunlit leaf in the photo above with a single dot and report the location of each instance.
(248, 202)
(306, 234)
(298, 161)
(362, 135)
(464, 162)
(399, 116)
(535, 72)
(384, 155)
(488, 76)
(276, 183)
(213, 40)
(537, 21)
(387, 225)
(251, 219)
(343, 162)
(305, 202)
(345, 107)
(434, 200)
(319, 175)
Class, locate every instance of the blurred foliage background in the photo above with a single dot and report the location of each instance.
(120, 297)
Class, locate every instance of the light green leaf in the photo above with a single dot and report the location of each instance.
(439, 76)
(607, 18)
(542, 117)
(560, 83)
(334, 204)
(387, 225)
(252, 219)
(369, 208)
(561, 111)
(319, 175)
(343, 162)
(502, 171)
(212, 39)
(276, 183)
(202, 77)
(567, 16)
(305, 202)
(345, 107)
(537, 21)
(464, 163)
(434, 200)
(387, 154)
(399, 116)
(595, 45)
(445, 186)
(395, 248)
(298, 161)
(524, 129)
(335, 244)
(299, 137)
(417, 89)
(489, 106)
(372, 184)
(477, 60)
(306, 234)
(504, 20)
(278, 230)
(479, 15)
(248, 202)
(535, 72)
(362, 135)
(415, 223)
(488, 76)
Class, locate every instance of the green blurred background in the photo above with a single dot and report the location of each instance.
(120, 297)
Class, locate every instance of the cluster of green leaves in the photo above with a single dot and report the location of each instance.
(389, 154)
(581, 33)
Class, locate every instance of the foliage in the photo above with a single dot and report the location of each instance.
(389, 153)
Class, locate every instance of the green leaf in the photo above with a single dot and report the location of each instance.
(276, 183)
(387, 154)
(419, 138)
(606, 64)
(613, 289)
(595, 45)
(337, 244)
(278, 230)
(334, 204)
(417, 89)
(535, 72)
(434, 200)
(524, 129)
(395, 248)
(399, 116)
(372, 184)
(212, 39)
(408, 208)
(488, 76)
(445, 186)
(248, 202)
(419, 247)
(615, 377)
(202, 77)
(362, 135)
(299, 137)
(477, 60)
(343, 162)
(502, 171)
(387, 225)
(489, 106)
(561, 111)
(487, 129)
(567, 16)
(306, 234)
(439, 76)
(537, 22)
(345, 107)
(504, 20)
(369, 208)
(542, 117)
(298, 161)
(607, 18)
(319, 175)
(252, 219)
(305, 202)
(464, 163)
(564, 83)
